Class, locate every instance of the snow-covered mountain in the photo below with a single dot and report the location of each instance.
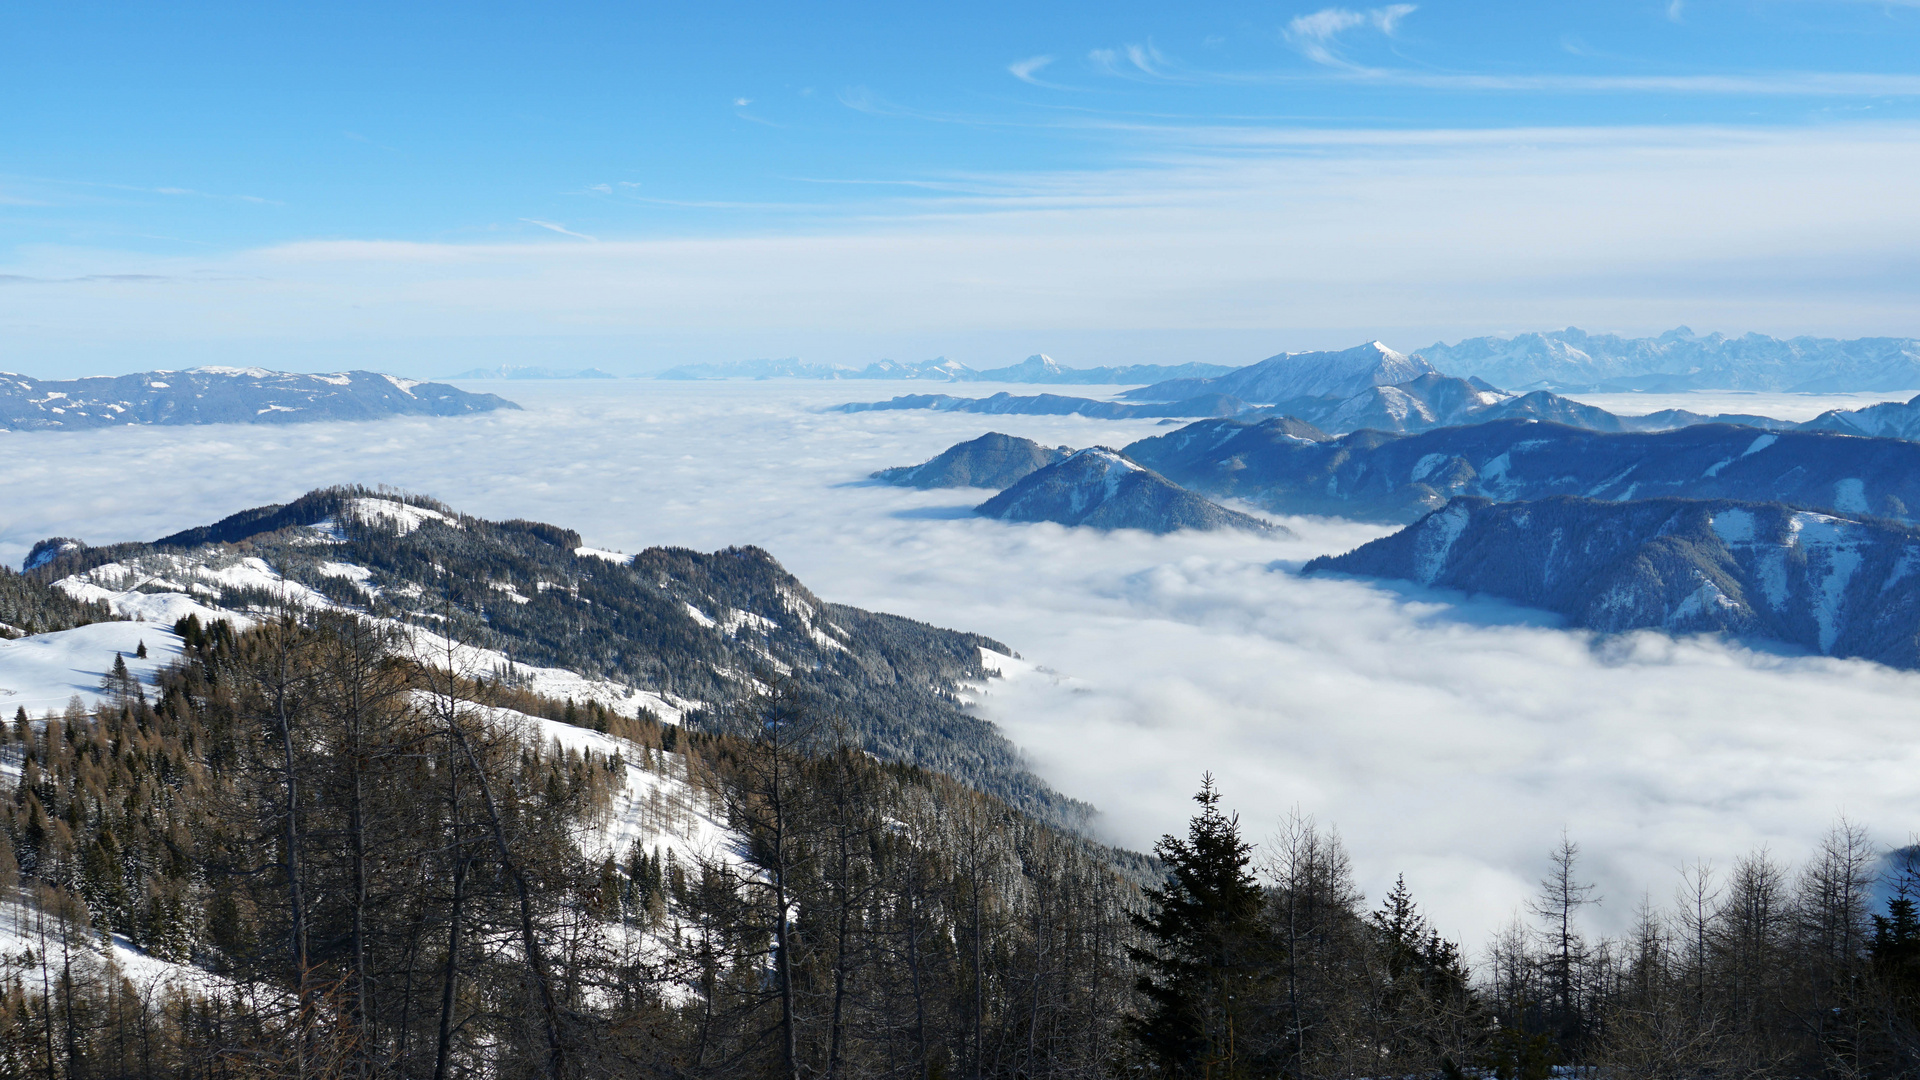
(1038, 368)
(1891, 419)
(1290, 376)
(1682, 360)
(1041, 368)
(1099, 488)
(1005, 404)
(670, 632)
(1421, 404)
(991, 461)
(220, 395)
(1835, 585)
(1374, 476)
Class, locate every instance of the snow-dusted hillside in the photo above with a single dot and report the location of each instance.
(1831, 584)
(1099, 488)
(1289, 376)
(1373, 476)
(667, 632)
(42, 672)
(656, 805)
(220, 395)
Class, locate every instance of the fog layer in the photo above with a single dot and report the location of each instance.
(1447, 738)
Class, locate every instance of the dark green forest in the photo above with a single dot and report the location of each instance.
(360, 866)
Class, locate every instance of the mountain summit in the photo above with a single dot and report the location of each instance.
(1099, 487)
(991, 461)
(1290, 376)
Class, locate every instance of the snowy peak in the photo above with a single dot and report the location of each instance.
(1101, 488)
(1833, 585)
(1292, 376)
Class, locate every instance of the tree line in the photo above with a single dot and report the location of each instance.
(310, 851)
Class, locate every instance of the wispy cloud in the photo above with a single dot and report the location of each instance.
(1315, 35)
(1024, 69)
(1136, 62)
(561, 229)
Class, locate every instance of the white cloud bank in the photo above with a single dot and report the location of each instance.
(1321, 237)
(1448, 740)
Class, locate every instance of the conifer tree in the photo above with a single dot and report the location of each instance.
(1203, 967)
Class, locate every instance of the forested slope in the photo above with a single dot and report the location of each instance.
(692, 631)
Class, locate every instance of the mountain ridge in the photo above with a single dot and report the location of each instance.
(677, 633)
(1101, 488)
(1838, 586)
(219, 395)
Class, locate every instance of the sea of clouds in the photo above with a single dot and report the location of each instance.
(1448, 738)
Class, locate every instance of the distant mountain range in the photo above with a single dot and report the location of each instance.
(1290, 468)
(1100, 488)
(1573, 359)
(1005, 404)
(1038, 368)
(1370, 387)
(1569, 360)
(221, 395)
(508, 372)
(1835, 585)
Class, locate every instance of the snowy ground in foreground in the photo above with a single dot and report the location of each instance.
(1448, 739)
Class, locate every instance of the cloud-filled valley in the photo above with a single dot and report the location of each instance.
(1448, 738)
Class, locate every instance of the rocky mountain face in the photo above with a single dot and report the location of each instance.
(1292, 376)
(991, 461)
(1680, 360)
(1099, 488)
(217, 395)
(1839, 586)
(677, 633)
(1375, 476)
(1890, 419)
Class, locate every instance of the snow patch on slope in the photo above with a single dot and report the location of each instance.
(403, 518)
(43, 672)
(1435, 541)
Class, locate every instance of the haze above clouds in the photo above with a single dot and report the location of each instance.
(1446, 738)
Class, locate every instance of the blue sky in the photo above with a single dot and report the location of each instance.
(427, 187)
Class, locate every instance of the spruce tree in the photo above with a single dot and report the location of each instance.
(1205, 962)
